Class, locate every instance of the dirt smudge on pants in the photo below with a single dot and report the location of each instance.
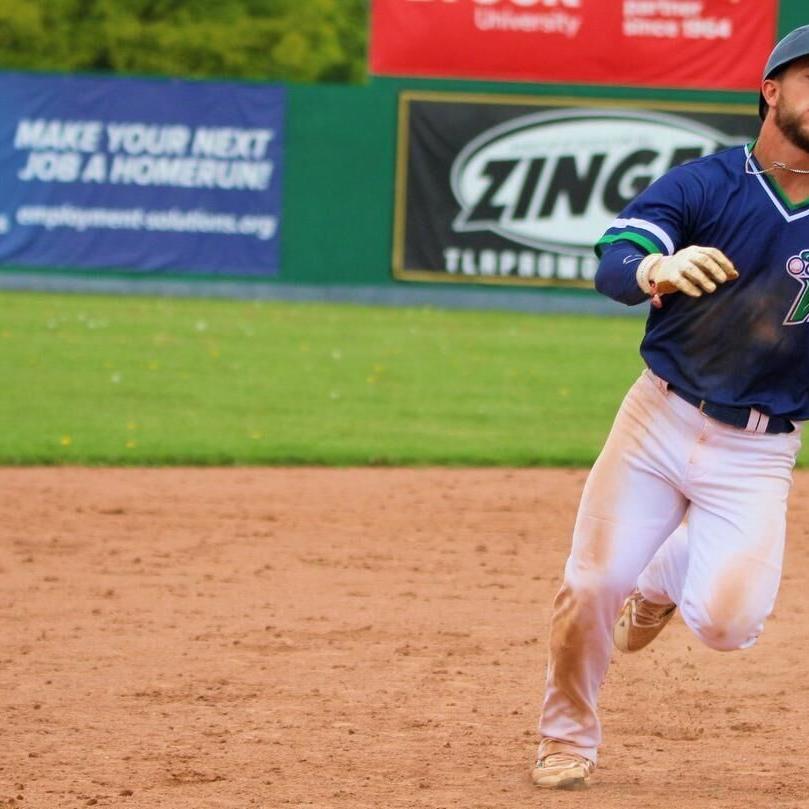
(568, 653)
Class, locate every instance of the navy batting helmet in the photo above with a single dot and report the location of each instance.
(793, 46)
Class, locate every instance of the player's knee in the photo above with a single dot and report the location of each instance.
(724, 633)
(727, 637)
(588, 582)
(597, 589)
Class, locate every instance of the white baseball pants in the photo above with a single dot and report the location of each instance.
(665, 461)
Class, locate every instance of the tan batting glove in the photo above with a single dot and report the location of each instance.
(693, 270)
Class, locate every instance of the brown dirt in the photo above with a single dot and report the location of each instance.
(349, 638)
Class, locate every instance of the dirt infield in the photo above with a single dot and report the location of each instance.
(349, 638)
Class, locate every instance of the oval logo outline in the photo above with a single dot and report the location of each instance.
(704, 136)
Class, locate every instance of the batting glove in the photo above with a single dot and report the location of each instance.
(693, 270)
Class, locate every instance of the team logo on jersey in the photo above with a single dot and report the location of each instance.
(798, 268)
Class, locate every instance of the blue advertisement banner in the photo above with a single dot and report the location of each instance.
(154, 176)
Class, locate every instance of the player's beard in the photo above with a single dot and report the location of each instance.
(790, 125)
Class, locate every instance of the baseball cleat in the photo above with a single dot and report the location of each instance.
(640, 622)
(562, 771)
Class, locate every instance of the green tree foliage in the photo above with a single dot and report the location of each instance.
(300, 40)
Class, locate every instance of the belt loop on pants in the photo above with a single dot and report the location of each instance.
(759, 422)
(660, 383)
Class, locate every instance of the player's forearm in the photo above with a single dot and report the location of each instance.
(616, 274)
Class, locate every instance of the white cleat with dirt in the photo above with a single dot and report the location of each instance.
(562, 771)
(640, 622)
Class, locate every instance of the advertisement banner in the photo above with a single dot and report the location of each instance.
(144, 175)
(517, 190)
(721, 44)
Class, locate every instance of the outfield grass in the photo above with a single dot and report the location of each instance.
(127, 380)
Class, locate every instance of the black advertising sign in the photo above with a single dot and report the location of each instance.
(517, 190)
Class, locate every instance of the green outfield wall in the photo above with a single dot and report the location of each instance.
(341, 162)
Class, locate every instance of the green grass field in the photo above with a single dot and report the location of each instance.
(127, 380)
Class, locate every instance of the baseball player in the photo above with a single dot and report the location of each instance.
(685, 507)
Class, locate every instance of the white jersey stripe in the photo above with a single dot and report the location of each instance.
(779, 205)
(776, 200)
(650, 227)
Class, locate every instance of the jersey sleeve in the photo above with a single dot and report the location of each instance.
(617, 270)
(660, 218)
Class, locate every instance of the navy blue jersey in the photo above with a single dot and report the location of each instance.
(747, 344)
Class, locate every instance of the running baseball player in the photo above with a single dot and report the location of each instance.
(685, 507)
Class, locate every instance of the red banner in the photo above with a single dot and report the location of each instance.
(710, 44)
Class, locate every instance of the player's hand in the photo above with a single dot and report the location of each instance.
(693, 270)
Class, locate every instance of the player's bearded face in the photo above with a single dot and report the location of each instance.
(792, 123)
(793, 118)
